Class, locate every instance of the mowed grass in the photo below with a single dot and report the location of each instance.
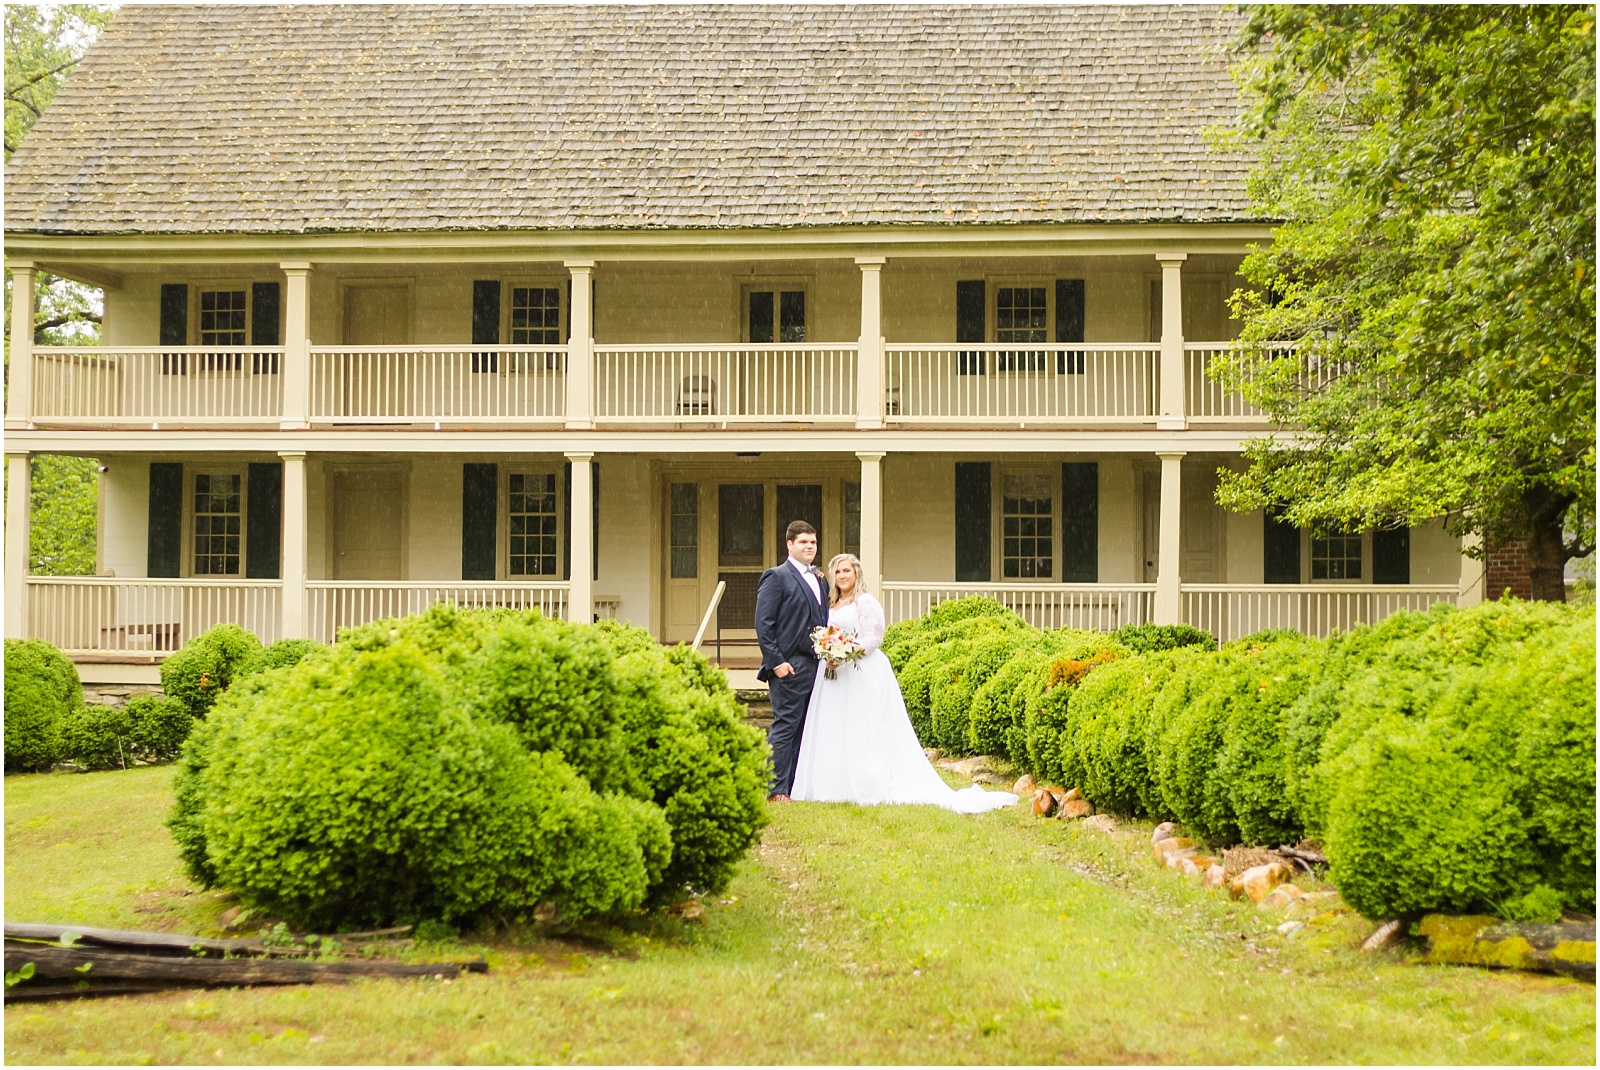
(887, 935)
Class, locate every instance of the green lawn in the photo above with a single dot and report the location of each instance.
(855, 935)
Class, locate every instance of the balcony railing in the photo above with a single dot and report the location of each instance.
(142, 386)
(723, 385)
(1229, 610)
(519, 385)
(87, 615)
(1093, 606)
(1016, 385)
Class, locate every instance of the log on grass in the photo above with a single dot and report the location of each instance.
(1565, 948)
(149, 943)
(71, 965)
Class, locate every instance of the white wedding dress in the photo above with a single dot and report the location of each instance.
(858, 745)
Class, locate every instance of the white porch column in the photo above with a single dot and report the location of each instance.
(1171, 417)
(580, 354)
(1472, 569)
(1168, 597)
(872, 522)
(292, 563)
(19, 494)
(296, 347)
(19, 398)
(869, 357)
(580, 593)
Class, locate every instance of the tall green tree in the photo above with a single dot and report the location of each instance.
(43, 43)
(1434, 171)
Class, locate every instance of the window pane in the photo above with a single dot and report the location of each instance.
(792, 325)
(740, 520)
(852, 518)
(217, 524)
(761, 316)
(685, 531)
(1027, 548)
(1336, 556)
(531, 524)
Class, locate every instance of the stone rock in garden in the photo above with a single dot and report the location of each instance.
(1291, 929)
(1280, 897)
(1164, 831)
(1044, 803)
(988, 779)
(1071, 809)
(689, 910)
(1173, 843)
(1238, 859)
(1024, 786)
(931, 753)
(1384, 936)
(1258, 881)
(1186, 863)
(1176, 859)
(1072, 795)
(1100, 823)
(970, 766)
(1565, 948)
(1215, 877)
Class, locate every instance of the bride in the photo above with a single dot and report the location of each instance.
(858, 745)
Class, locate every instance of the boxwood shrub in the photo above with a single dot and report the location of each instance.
(1154, 638)
(203, 669)
(459, 764)
(277, 655)
(42, 689)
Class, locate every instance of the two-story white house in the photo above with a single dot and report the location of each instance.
(578, 307)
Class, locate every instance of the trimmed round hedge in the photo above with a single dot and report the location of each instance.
(42, 690)
(460, 765)
(204, 668)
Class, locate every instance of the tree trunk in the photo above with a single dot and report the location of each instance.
(1547, 545)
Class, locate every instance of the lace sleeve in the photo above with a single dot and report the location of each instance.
(873, 622)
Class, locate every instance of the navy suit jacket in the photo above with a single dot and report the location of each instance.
(785, 615)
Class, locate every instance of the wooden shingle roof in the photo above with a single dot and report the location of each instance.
(300, 119)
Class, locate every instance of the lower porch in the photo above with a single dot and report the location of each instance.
(306, 545)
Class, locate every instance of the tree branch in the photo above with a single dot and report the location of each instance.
(36, 79)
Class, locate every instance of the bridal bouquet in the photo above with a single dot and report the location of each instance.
(835, 648)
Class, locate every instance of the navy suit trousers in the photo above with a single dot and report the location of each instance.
(790, 696)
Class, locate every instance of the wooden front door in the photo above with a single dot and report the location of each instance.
(368, 514)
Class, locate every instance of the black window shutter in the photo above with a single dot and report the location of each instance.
(1080, 521)
(971, 319)
(486, 323)
(263, 523)
(1281, 542)
(566, 521)
(1069, 325)
(265, 306)
(174, 327)
(1391, 555)
(165, 548)
(973, 504)
(480, 496)
(594, 512)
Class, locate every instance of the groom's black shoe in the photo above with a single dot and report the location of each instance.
(779, 798)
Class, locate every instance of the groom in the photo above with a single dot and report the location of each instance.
(791, 600)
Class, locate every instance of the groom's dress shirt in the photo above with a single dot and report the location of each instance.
(810, 578)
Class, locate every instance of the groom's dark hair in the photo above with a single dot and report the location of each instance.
(796, 529)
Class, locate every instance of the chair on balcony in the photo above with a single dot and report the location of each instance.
(697, 396)
(891, 400)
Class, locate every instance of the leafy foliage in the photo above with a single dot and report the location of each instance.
(1434, 168)
(1150, 638)
(202, 669)
(42, 690)
(457, 764)
(277, 655)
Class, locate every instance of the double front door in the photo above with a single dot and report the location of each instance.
(731, 531)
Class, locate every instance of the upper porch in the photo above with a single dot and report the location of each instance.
(972, 339)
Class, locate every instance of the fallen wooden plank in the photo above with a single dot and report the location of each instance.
(70, 965)
(172, 943)
(1565, 948)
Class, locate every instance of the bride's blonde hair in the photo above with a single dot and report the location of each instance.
(855, 563)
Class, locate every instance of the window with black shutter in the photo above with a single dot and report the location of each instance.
(263, 524)
(174, 328)
(1069, 325)
(486, 323)
(265, 312)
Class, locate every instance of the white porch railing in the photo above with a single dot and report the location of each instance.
(139, 386)
(89, 615)
(1095, 606)
(479, 384)
(719, 385)
(335, 604)
(1046, 383)
(1229, 610)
